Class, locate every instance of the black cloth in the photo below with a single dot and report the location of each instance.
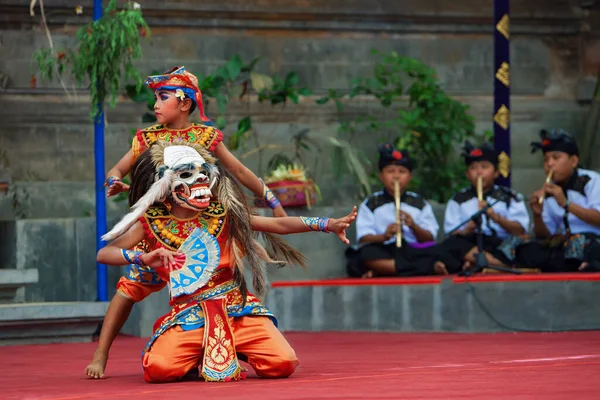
(546, 257)
(453, 250)
(354, 266)
(558, 254)
(409, 261)
(592, 256)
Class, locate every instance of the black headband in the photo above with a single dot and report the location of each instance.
(389, 155)
(485, 152)
(556, 140)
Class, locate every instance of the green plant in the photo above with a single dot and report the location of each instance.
(417, 115)
(103, 56)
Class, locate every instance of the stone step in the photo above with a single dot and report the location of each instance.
(486, 303)
(50, 322)
(13, 282)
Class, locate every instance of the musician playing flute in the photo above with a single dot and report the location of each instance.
(507, 216)
(566, 223)
(377, 227)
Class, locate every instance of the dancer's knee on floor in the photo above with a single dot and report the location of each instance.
(280, 367)
(158, 369)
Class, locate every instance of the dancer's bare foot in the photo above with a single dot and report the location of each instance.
(367, 275)
(439, 268)
(95, 369)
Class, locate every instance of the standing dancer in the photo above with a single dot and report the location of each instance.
(177, 96)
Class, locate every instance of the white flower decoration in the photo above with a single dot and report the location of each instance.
(179, 94)
(136, 6)
(79, 10)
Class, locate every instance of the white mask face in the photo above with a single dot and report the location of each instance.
(191, 185)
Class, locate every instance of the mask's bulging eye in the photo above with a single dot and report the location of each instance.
(185, 175)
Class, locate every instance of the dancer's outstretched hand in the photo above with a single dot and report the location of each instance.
(163, 258)
(339, 225)
(117, 188)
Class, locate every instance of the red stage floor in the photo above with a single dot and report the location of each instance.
(337, 366)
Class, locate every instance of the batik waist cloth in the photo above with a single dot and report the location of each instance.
(188, 313)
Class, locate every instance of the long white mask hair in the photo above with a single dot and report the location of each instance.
(170, 160)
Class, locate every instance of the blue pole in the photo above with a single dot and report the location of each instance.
(101, 272)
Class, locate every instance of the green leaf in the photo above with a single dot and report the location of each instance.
(304, 92)
(244, 125)
(292, 79)
(277, 98)
(322, 100)
(233, 142)
(221, 103)
(294, 97)
(234, 67)
(220, 122)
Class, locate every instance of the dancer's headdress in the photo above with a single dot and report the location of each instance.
(184, 83)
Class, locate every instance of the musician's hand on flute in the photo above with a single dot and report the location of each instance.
(482, 203)
(489, 212)
(548, 180)
(390, 231)
(556, 192)
(535, 204)
(407, 219)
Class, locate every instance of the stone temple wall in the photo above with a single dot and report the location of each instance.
(46, 139)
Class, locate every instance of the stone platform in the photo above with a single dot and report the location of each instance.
(50, 322)
(485, 303)
(13, 282)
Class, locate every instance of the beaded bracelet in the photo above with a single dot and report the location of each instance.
(111, 180)
(271, 200)
(132, 257)
(317, 224)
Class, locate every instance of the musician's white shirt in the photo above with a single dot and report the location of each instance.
(582, 189)
(378, 211)
(464, 204)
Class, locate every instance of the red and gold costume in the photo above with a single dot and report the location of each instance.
(203, 135)
(212, 319)
(181, 336)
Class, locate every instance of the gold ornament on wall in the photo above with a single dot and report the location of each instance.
(503, 74)
(503, 26)
(502, 117)
(504, 164)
